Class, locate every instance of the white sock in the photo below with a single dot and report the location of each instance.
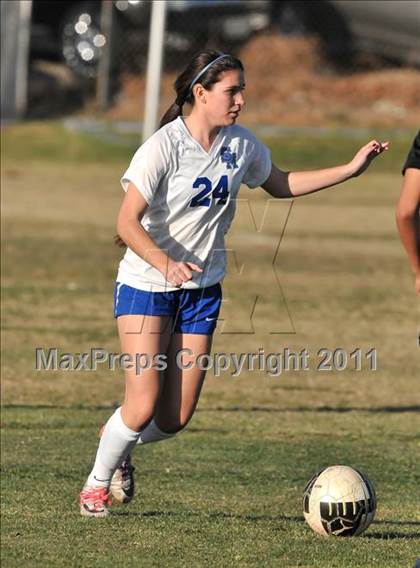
(152, 433)
(116, 443)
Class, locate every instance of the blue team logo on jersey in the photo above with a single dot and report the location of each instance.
(228, 157)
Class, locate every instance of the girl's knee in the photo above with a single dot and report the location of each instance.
(136, 418)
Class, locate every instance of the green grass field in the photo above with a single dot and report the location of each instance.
(228, 490)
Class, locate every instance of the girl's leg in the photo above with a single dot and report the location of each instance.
(175, 406)
(182, 386)
(148, 335)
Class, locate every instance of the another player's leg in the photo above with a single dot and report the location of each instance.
(138, 335)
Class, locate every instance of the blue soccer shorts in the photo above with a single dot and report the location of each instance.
(192, 310)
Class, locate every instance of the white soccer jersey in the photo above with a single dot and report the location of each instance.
(191, 195)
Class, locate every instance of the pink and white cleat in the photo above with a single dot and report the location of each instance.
(94, 501)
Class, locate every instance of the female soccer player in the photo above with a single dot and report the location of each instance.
(408, 210)
(180, 196)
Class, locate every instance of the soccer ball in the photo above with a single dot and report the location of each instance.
(340, 501)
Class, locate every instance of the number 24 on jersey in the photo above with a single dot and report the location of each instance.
(219, 194)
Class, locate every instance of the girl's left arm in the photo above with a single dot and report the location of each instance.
(282, 184)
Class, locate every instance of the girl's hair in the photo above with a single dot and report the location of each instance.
(183, 86)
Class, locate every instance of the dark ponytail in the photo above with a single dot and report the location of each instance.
(183, 87)
(171, 114)
(183, 96)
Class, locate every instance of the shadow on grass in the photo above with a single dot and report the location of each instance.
(274, 518)
(378, 409)
(391, 536)
(268, 409)
(89, 407)
(216, 515)
(403, 523)
(193, 430)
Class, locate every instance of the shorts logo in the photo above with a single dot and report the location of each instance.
(228, 157)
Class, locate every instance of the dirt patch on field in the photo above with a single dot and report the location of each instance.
(289, 83)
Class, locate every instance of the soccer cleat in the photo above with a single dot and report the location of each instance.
(94, 501)
(122, 482)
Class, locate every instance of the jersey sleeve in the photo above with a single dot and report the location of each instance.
(147, 167)
(259, 167)
(413, 158)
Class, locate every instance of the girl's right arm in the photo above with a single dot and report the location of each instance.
(136, 237)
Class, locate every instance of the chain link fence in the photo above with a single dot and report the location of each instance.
(323, 63)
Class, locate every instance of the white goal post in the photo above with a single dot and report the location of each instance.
(154, 68)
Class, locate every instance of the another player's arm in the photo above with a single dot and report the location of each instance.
(137, 238)
(408, 224)
(282, 184)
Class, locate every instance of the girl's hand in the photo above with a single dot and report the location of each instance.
(366, 155)
(180, 272)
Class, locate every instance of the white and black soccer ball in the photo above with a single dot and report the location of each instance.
(339, 501)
